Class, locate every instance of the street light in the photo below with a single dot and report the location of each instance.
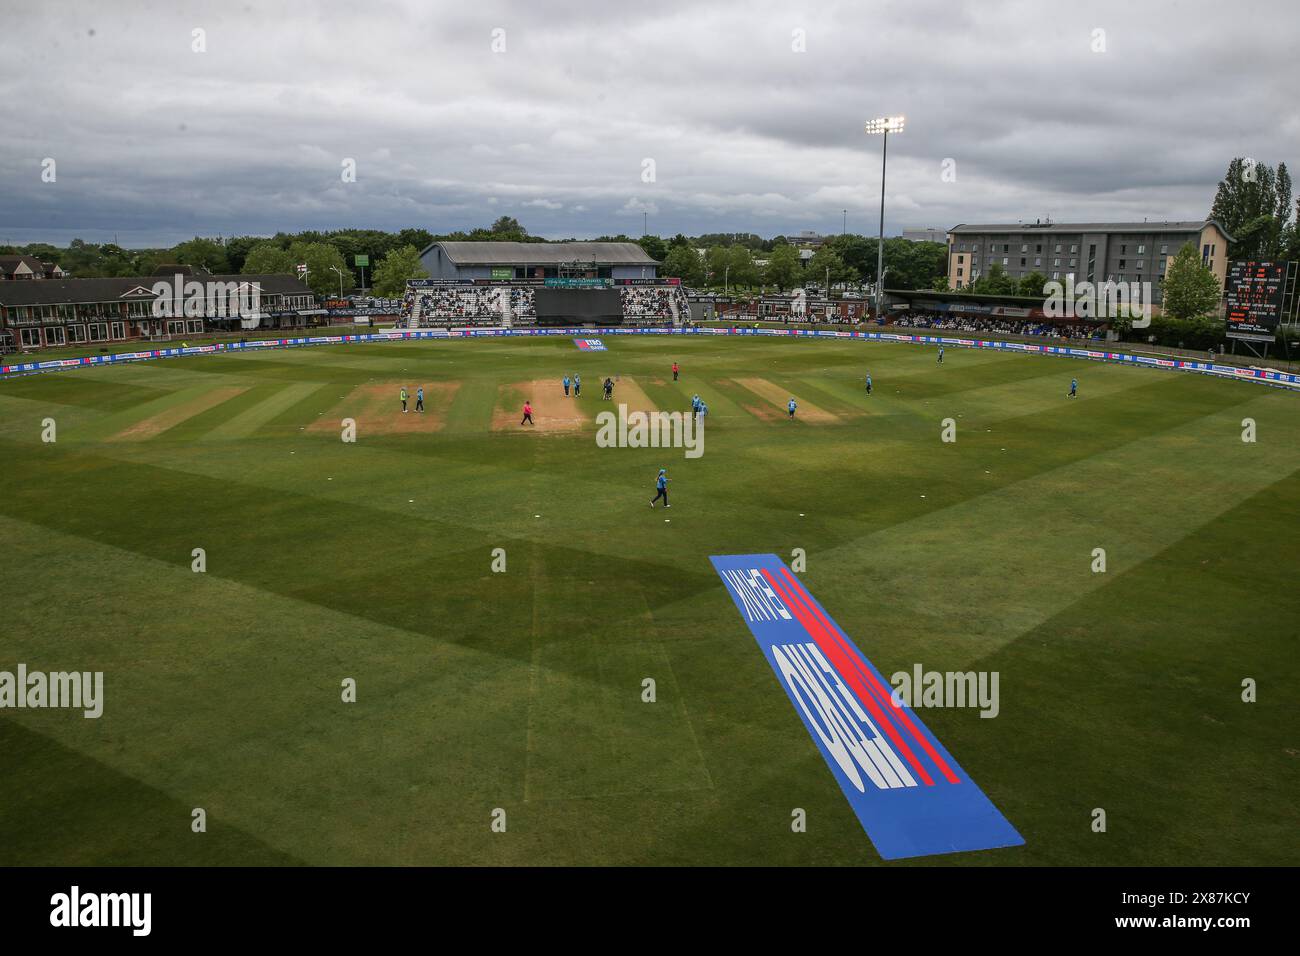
(340, 272)
(883, 125)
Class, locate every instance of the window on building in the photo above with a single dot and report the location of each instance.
(98, 332)
(1038, 261)
(30, 337)
(1024, 247)
(1005, 260)
(1058, 247)
(1074, 248)
(54, 335)
(1022, 260)
(1142, 249)
(1164, 250)
(76, 333)
(1121, 263)
(119, 330)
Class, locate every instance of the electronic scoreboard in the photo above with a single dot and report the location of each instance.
(1253, 299)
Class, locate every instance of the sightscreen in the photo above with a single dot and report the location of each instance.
(579, 306)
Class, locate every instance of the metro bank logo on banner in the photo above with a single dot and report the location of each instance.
(909, 794)
(590, 345)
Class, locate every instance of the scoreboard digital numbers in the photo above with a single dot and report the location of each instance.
(1253, 294)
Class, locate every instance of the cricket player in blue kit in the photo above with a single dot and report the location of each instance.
(940, 354)
(868, 384)
(661, 488)
(577, 386)
(566, 386)
(1074, 388)
(792, 407)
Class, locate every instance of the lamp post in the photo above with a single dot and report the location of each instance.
(340, 272)
(883, 125)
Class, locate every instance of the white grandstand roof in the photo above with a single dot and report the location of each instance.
(543, 253)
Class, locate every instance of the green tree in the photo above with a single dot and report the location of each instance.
(683, 262)
(783, 267)
(1253, 204)
(508, 228)
(1032, 284)
(1190, 289)
(654, 247)
(207, 253)
(267, 258)
(395, 268)
(742, 271)
(994, 282)
(719, 265)
(827, 261)
(321, 259)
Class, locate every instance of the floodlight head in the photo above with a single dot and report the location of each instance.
(886, 124)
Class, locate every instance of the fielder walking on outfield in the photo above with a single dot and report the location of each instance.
(403, 399)
(661, 488)
(566, 386)
(868, 383)
(419, 399)
(528, 414)
(577, 385)
(1074, 388)
(792, 406)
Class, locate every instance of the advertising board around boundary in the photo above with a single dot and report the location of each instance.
(1259, 375)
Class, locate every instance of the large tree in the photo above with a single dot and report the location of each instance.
(322, 259)
(1190, 289)
(395, 268)
(207, 253)
(783, 267)
(1253, 204)
(683, 262)
(826, 261)
(741, 261)
(267, 258)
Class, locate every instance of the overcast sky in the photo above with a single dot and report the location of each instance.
(752, 113)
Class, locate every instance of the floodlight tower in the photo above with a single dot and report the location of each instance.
(883, 125)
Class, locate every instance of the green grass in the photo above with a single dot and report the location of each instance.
(522, 690)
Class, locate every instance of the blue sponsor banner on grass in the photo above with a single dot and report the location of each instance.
(590, 345)
(909, 794)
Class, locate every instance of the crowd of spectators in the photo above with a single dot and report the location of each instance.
(999, 325)
(469, 305)
(653, 302)
(484, 305)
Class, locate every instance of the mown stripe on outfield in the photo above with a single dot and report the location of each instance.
(248, 421)
(158, 424)
(81, 390)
